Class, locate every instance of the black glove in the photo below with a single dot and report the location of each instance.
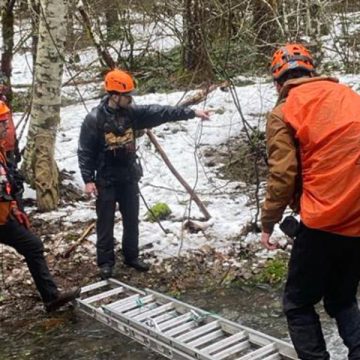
(290, 226)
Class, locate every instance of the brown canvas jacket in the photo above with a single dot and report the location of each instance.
(284, 177)
(5, 206)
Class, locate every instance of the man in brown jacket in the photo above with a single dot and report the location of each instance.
(314, 167)
(14, 232)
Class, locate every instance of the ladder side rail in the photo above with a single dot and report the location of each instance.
(158, 335)
(257, 337)
(127, 330)
(284, 348)
(258, 354)
(126, 286)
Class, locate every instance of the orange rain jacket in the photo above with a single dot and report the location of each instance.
(313, 143)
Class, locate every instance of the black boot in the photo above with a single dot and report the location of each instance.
(62, 299)
(348, 322)
(106, 272)
(138, 264)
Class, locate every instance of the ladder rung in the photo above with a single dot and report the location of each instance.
(179, 329)
(166, 317)
(95, 286)
(273, 357)
(119, 304)
(103, 295)
(205, 338)
(232, 350)
(240, 336)
(200, 331)
(167, 325)
(259, 353)
(141, 307)
(137, 302)
(157, 311)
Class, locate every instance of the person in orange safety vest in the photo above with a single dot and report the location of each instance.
(313, 146)
(14, 232)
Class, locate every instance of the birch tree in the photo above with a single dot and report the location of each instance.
(7, 28)
(39, 164)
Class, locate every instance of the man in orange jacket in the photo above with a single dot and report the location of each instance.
(314, 167)
(14, 231)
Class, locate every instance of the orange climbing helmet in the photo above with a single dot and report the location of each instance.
(119, 81)
(289, 57)
(4, 112)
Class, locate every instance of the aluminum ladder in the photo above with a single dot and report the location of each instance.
(174, 329)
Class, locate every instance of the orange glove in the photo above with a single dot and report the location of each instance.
(19, 215)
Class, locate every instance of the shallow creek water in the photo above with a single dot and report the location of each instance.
(72, 335)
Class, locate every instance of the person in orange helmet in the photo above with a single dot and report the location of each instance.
(314, 166)
(109, 167)
(14, 231)
(10, 143)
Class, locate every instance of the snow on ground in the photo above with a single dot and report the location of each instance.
(226, 205)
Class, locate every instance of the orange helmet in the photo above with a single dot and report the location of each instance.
(119, 81)
(289, 57)
(4, 112)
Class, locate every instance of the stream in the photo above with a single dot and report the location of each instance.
(73, 335)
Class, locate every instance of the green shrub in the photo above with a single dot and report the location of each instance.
(159, 211)
(274, 271)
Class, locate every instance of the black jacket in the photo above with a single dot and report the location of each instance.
(97, 161)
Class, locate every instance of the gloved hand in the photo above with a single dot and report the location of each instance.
(19, 215)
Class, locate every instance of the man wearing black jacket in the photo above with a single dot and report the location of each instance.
(107, 161)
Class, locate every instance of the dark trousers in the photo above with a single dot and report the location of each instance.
(31, 247)
(323, 266)
(125, 194)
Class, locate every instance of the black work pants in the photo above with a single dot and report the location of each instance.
(31, 247)
(323, 266)
(126, 194)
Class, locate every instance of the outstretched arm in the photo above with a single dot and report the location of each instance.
(149, 116)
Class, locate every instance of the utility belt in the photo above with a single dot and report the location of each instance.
(114, 172)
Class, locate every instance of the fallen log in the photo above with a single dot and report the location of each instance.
(182, 181)
(82, 237)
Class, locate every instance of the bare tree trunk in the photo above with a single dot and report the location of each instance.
(7, 27)
(34, 7)
(111, 20)
(264, 24)
(104, 56)
(195, 55)
(39, 163)
(316, 26)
